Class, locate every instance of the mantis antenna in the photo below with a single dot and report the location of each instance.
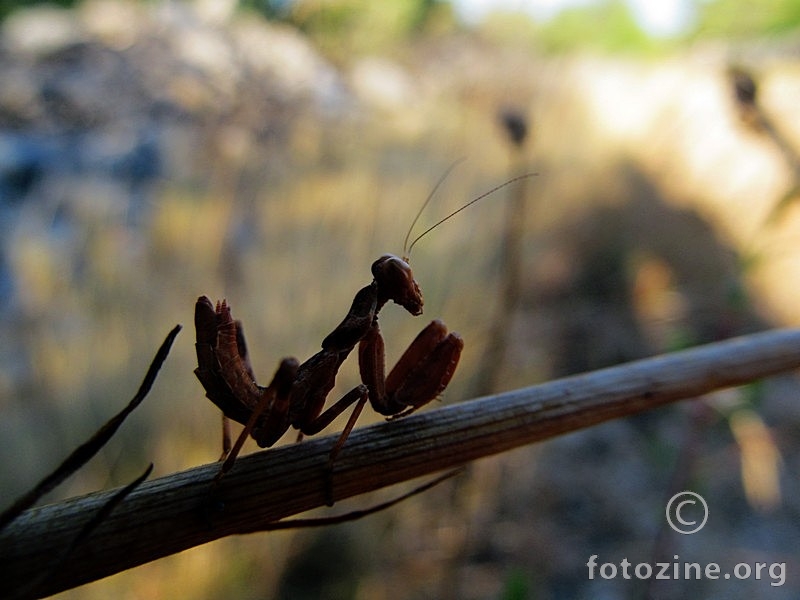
(406, 247)
(407, 250)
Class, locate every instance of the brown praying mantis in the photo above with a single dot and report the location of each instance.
(297, 394)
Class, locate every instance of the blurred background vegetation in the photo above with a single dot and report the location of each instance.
(268, 152)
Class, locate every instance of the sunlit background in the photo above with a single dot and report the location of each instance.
(268, 152)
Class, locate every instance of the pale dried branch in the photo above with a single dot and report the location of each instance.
(180, 511)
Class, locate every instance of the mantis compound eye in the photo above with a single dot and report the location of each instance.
(396, 283)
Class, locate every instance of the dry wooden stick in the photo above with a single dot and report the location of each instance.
(180, 511)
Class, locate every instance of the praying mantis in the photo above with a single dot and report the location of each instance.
(296, 396)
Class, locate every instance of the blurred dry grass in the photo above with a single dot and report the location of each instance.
(648, 207)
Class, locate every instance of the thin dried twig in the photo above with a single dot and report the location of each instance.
(354, 515)
(30, 590)
(83, 453)
(176, 512)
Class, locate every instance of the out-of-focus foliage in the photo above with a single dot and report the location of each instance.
(607, 27)
(344, 28)
(8, 6)
(747, 18)
(271, 9)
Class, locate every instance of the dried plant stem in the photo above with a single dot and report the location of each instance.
(489, 372)
(83, 453)
(180, 511)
